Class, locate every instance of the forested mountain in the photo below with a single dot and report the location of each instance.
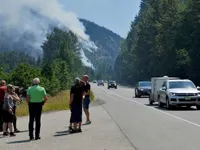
(103, 58)
(58, 66)
(108, 44)
(163, 40)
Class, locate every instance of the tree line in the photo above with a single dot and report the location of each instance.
(164, 39)
(56, 68)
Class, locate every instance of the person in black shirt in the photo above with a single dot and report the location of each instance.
(76, 96)
(86, 100)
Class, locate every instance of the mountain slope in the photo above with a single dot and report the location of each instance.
(108, 44)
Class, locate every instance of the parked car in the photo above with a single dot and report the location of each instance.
(143, 88)
(112, 84)
(100, 83)
(179, 93)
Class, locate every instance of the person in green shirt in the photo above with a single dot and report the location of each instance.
(36, 98)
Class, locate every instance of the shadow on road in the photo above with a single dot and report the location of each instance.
(62, 133)
(18, 142)
(173, 109)
(98, 102)
(23, 131)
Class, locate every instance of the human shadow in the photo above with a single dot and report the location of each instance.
(18, 142)
(62, 133)
(22, 131)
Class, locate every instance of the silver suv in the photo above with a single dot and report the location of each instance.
(179, 93)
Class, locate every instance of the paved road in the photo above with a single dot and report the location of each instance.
(148, 127)
(102, 134)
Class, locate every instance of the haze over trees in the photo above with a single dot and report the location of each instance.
(164, 39)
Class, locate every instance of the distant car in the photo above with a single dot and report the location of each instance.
(100, 83)
(95, 81)
(112, 84)
(143, 88)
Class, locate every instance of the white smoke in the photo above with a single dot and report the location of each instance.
(18, 18)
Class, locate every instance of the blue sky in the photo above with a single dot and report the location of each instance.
(115, 15)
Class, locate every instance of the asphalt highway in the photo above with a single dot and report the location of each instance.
(149, 127)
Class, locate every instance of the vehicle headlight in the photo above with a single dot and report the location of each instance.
(198, 94)
(141, 89)
(172, 94)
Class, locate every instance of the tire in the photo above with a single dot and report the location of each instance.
(198, 107)
(160, 104)
(168, 106)
(150, 102)
(115, 87)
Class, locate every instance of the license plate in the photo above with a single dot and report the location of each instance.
(187, 98)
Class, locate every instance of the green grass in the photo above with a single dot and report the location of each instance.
(56, 103)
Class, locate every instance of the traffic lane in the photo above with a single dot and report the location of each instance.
(191, 116)
(148, 129)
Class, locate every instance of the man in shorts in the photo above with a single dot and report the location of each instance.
(86, 100)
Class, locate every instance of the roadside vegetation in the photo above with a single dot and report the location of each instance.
(163, 40)
(58, 102)
(57, 68)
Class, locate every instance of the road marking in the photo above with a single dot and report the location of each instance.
(176, 117)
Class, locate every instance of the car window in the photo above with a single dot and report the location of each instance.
(181, 84)
(145, 84)
(164, 84)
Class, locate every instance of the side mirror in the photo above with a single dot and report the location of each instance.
(164, 88)
(198, 88)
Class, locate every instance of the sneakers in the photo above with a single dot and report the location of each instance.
(12, 134)
(87, 122)
(5, 134)
(16, 131)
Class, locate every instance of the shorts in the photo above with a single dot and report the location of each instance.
(7, 116)
(86, 103)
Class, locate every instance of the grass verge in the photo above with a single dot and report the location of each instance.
(56, 103)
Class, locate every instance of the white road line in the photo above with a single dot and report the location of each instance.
(176, 117)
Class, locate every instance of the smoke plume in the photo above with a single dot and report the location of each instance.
(20, 19)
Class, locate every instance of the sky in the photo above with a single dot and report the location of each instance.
(115, 15)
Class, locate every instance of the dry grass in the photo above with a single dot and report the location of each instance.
(56, 103)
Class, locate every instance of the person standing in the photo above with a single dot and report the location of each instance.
(8, 114)
(75, 103)
(86, 100)
(36, 98)
(2, 94)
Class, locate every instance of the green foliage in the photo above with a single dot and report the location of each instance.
(56, 69)
(163, 40)
(23, 75)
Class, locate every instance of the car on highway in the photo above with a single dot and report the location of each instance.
(100, 83)
(94, 81)
(112, 84)
(143, 88)
(179, 93)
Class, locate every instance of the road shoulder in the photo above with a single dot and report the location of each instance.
(102, 134)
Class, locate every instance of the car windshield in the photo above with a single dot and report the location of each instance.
(112, 82)
(145, 84)
(181, 84)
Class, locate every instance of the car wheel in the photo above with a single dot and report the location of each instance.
(160, 104)
(168, 106)
(198, 107)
